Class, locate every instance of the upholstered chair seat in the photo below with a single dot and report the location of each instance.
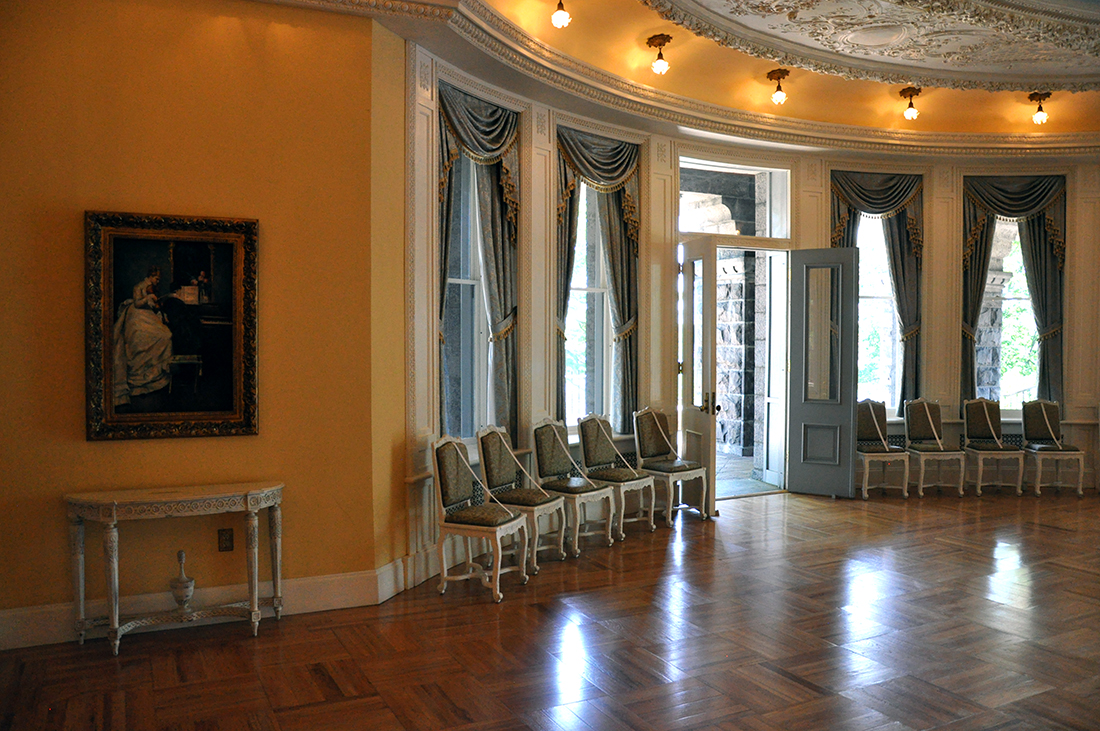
(1043, 443)
(872, 447)
(569, 485)
(613, 474)
(671, 465)
(488, 515)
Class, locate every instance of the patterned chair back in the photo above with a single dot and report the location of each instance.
(498, 463)
(551, 458)
(452, 476)
(923, 422)
(1042, 421)
(653, 436)
(870, 421)
(595, 443)
(982, 420)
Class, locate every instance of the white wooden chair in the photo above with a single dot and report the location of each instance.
(658, 458)
(603, 463)
(984, 442)
(458, 495)
(553, 466)
(873, 448)
(924, 443)
(502, 469)
(1043, 443)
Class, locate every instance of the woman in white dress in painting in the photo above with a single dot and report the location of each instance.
(142, 343)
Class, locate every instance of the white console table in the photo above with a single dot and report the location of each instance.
(111, 507)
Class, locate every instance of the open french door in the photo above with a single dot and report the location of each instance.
(822, 390)
(698, 335)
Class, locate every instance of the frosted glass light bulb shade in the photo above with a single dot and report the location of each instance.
(1040, 117)
(779, 96)
(911, 112)
(660, 65)
(561, 17)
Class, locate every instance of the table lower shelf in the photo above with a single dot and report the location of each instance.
(128, 623)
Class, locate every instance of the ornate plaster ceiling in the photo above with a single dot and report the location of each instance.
(1022, 45)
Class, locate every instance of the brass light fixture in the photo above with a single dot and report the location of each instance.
(777, 75)
(659, 41)
(1040, 117)
(561, 16)
(909, 92)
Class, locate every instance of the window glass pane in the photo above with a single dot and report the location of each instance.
(1019, 337)
(822, 378)
(733, 199)
(880, 355)
(586, 345)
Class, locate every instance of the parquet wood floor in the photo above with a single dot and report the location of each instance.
(787, 613)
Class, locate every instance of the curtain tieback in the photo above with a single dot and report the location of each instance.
(504, 328)
(628, 328)
(910, 332)
(1050, 332)
(560, 325)
(968, 332)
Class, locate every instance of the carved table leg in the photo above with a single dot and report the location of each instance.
(254, 570)
(110, 564)
(76, 548)
(275, 530)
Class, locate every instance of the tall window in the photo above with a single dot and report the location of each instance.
(880, 356)
(465, 323)
(588, 345)
(1007, 342)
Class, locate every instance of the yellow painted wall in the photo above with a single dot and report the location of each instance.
(202, 107)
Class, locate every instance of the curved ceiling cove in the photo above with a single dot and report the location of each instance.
(996, 45)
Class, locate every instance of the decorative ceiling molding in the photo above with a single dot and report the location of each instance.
(442, 10)
(996, 45)
(495, 36)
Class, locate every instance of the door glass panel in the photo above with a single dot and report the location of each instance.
(822, 377)
(697, 323)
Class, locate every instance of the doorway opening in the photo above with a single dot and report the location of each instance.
(749, 326)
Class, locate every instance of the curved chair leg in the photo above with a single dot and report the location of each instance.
(522, 554)
(920, 477)
(866, 477)
(653, 502)
(668, 501)
(533, 524)
(574, 528)
(442, 566)
(495, 582)
(704, 493)
(978, 482)
(610, 518)
(962, 476)
(619, 498)
(1020, 475)
(560, 512)
(1080, 476)
(905, 478)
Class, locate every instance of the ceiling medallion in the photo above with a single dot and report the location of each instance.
(964, 44)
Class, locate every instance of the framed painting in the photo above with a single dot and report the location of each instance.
(170, 326)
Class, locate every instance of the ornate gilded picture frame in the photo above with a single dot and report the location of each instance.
(170, 326)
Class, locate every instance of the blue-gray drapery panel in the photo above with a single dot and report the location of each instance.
(564, 253)
(487, 134)
(611, 168)
(899, 201)
(1038, 203)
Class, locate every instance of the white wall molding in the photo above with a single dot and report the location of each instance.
(52, 623)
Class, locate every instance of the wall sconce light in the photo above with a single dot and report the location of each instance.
(561, 16)
(909, 92)
(1040, 117)
(659, 41)
(777, 75)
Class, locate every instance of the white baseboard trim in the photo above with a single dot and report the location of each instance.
(52, 623)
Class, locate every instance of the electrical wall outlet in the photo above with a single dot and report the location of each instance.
(225, 539)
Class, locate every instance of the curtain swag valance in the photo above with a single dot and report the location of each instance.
(1015, 199)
